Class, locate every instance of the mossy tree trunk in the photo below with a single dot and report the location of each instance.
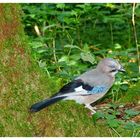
(20, 78)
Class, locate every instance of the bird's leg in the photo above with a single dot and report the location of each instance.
(90, 108)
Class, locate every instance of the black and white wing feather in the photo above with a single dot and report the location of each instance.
(72, 89)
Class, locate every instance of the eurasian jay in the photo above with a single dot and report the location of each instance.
(88, 87)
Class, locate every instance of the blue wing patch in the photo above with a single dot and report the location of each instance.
(97, 89)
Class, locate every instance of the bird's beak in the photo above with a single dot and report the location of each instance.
(122, 69)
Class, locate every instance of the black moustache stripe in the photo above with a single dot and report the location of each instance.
(114, 70)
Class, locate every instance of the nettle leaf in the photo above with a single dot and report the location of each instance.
(63, 58)
(69, 20)
(132, 126)
(96, 116)
(113, 123)
(110, 117)
(40, 51)
(75, 57)
(42, 64)
(60, 5)
(124, 87)
(132, 112)
(71, 46)
(88, 57)
(72, 62)
(68, 60)
(117, 46)
(36, 44)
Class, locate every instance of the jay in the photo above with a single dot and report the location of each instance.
(88, 87)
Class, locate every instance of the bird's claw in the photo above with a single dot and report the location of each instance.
(92, 109)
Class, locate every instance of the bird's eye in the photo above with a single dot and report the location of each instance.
(112, 66)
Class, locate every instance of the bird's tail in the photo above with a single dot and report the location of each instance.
(40, 105)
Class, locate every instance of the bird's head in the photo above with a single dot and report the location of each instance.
(110, 66)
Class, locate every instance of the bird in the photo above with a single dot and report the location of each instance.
(86, 88)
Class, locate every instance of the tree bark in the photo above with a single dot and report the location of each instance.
(21, 81)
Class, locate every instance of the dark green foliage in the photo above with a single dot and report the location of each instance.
(72, 37)
(118, 117)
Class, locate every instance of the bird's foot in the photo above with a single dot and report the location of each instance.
(92, 109)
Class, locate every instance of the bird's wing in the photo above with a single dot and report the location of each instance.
(78, 87)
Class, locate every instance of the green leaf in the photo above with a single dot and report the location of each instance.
(42, 64)
(75, 57)
(88, 57)
(60, 5)
(117, 46)
(110, 117)
(132, 126)
(41, 51)
(72, 46)
(36, 44)
(64, 58)
(112, 105)
(124, 87)
(113, 123)
(132, 112)
(96, 116)
(72, 62)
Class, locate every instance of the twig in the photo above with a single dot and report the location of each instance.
(135, 34)
(54, 55)
(111, 33)
(37, 30)
(137, 133)
(133, 135)
(110, 132)
(115, 131)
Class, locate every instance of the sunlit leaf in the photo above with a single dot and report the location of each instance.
(88, 57)
(71, 46)
(60, 5)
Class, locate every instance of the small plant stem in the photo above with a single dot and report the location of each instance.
(135, 34)
(137, 133)
(115, 131)
(133, 135)
(47, 72)
(110, 132)
(37, 30)
(112, 39)
(54, 55)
